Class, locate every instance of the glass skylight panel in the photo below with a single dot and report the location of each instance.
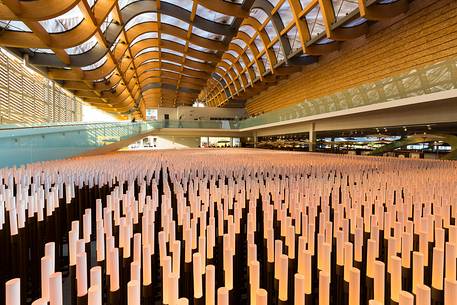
(113, 46)
(239, 43)
(85, 46)
(172, 38)
(266, 62)
(63, 23)
(218, 78)
(174, 21)
(171, 62)
(278, 51)
(228, 62)
(243, 65)
(230, 77)
(271, 31)
(249, 54)
(344, 7)
(146, 17)
(124, 3)
(258, 14)
(191, 68)
(315, 22)
(248, 77)
(148, 35)
(248, 30)
(305, 3)
(294, 38)
(285, 13)
(274, 2)
(152, 49)
(95, 65)
(214, 16)
(172, 52)
(13, 25)
(186, 4)
(42, 51)
(182, 73)
(233, 53)
(205, 34)
(195, 59)
(149, 61)
(199, 48)
(259, 44)
(256, 70)
(106, 22)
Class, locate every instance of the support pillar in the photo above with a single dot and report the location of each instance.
(255, 139)
(312, 138)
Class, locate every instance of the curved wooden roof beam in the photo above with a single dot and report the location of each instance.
(277, 23)
(74, 37)
(242, 54)
(255, 52)
(233, 73)
(256, 25)
(109, 66)
(231, 82)
(152, 27)
(247, 63)
(86, 29)
(238, 67)
(223, 67)
(35, 10)
(115, 76)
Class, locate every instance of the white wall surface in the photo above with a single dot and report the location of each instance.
(200, 113)
(172, 142)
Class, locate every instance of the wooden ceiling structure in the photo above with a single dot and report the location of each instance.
(119, 55)
(123, 56)
(280, 37)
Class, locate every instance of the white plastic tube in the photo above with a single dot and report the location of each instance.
(379, 281)
(13, 292)
(354, 287)
(324, 288)
(299, 289)
(133, 293)
(55, 289)
(210, 279)
(222, 296)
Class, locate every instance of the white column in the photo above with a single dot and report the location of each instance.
(312, 138)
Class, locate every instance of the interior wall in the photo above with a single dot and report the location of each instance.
(187, 113)
(424, 35)
(206, 113)
(173, 142)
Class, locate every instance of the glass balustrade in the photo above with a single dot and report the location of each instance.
(24, 143)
